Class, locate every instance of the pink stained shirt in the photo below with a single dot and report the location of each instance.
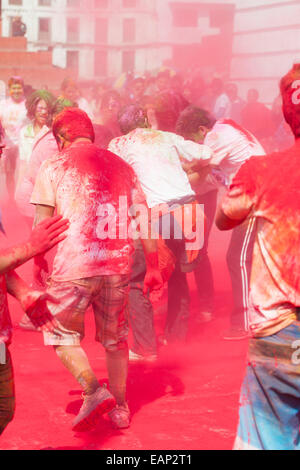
(84, 183)
(268, 188)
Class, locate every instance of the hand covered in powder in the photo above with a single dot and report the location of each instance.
(47, 234)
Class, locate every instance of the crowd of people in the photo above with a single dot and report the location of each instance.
(154, 155)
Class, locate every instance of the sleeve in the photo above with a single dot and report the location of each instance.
(218, 146)
(44, 190)
(43, 149)
(240, 199)
(190, 151)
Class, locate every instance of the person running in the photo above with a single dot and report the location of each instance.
(85, 184)
(42, 238)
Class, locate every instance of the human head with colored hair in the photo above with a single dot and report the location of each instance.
(39, 106)
(69, 89)
(60, 104)
(72, 124)
(290, 92)
(132, 117)
(16, 88)
(194, 123)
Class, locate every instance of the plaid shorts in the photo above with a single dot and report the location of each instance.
(108, 295)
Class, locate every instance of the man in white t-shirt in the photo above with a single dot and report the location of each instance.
(13, 116)
(232, 145)
(156, 157)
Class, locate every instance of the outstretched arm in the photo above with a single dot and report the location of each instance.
(43, 237)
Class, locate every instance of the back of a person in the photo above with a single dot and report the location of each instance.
(232, 146)
(278, 208)
(258, 119)
(272, 187)
(87, 182)
(155, 160)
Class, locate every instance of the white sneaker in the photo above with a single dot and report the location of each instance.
(95, 405)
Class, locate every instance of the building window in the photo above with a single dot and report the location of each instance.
(129, 3)
(129, 30)
(185, 17)
(45, 3)
(15, 2)
(73, 60)
(101, 30)
(128, 62)
(101, 3)
(44, 29)
(100, 69)
(72, 29)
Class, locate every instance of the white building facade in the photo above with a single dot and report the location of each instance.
(260, 39)
(97, 38)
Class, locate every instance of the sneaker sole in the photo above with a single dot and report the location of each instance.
(92, 419)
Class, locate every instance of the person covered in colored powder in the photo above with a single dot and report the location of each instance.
(156, 157)
(42, 238)
(85, 183)
(268, 189)
(232, 145)
(13, 116)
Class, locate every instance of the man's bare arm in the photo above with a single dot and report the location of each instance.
(223, 222)
(19, 289)
(43, 237)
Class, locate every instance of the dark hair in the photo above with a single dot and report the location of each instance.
(60, 104)
(290, 105)
(191, 119)
(167, 107)
(131, 117)
(73, 123)
(33, 100)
